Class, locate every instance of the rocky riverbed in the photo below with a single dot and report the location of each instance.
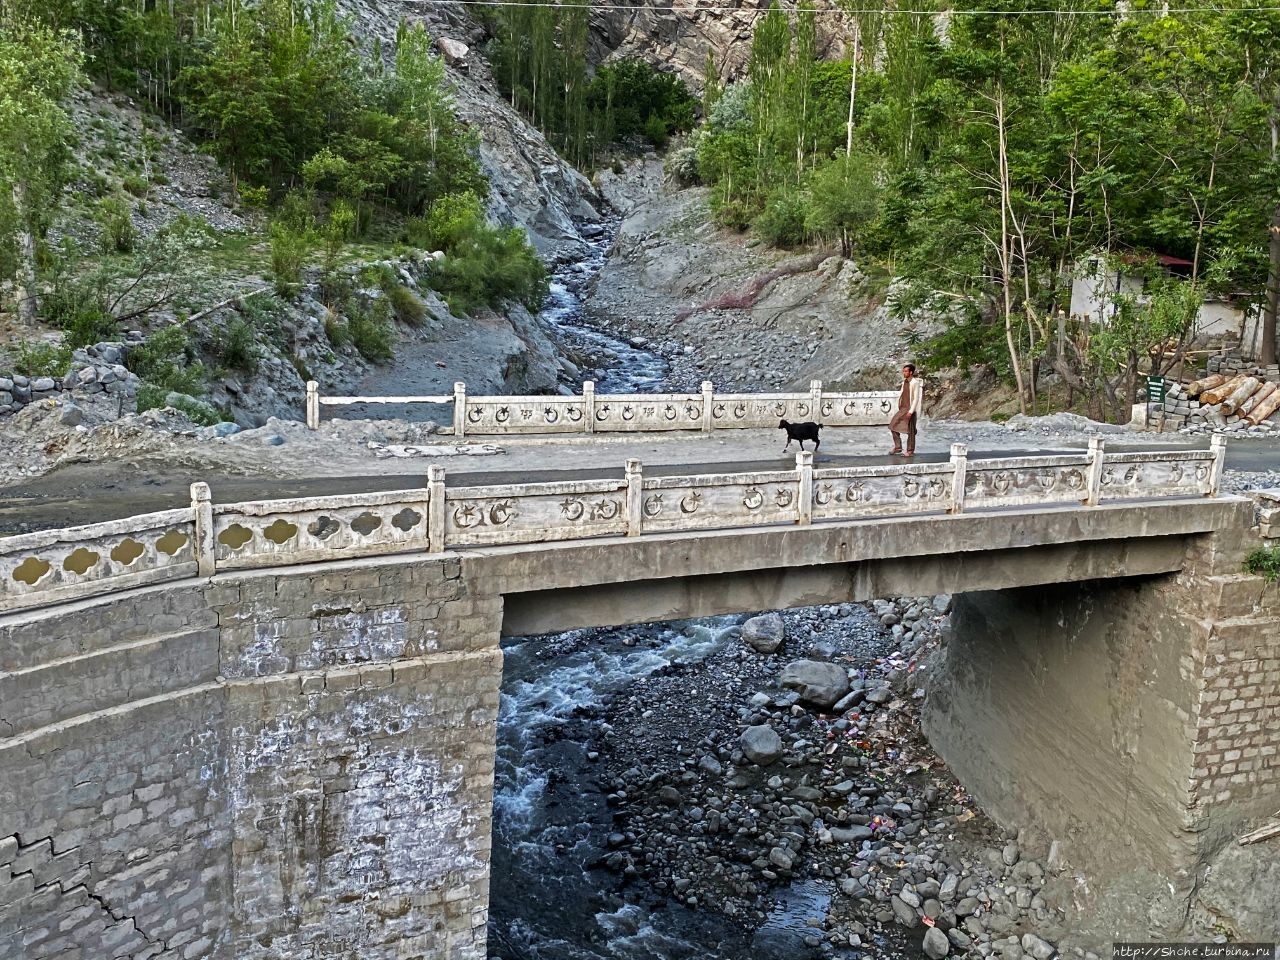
(756, 789)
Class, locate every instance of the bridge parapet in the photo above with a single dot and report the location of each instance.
(635, 412)
(49, 567)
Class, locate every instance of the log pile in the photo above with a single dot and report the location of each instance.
(1224, 401)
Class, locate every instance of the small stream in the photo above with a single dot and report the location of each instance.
(615, 365)
(551, 895)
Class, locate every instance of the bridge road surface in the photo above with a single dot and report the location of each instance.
(88, 493)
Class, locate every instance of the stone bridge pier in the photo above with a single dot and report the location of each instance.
(298, 761)
(1131, 720)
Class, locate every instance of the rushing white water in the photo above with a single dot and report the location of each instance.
(620, 367)
(537, 696)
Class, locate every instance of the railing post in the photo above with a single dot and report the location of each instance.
(313, 405)
(815, 399)
(1218, 445)
(635, 497)
(459, 409)
(804, 469)
(589, 404)
(960, 469)
(202, 510)
(435, 509)
(1097, 450)
(708, 396)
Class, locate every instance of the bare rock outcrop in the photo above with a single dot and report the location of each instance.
(678, 36)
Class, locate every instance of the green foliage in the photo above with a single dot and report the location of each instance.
(289, 251)
(406, 306)
(235, 345)
(335, 328)
(38, 67)
(970, 342)
(41, 359)
(167, 361)
(782, 221)
(136, 185)
(539, 58)
(682, 166)
(451, 221)
(370, 329)
(153, 396)
(115, 225)
(492, 265)
(255, 198)
(1264, 562)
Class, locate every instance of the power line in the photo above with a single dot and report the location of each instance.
(693, 7)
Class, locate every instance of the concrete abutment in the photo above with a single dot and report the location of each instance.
(299, 761)
(1130, 720)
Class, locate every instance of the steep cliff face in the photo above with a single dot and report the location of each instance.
(677, 34)
(532, 185)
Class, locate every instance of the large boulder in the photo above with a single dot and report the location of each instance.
(765, 633)
(761, 744)
(818, 683)
(454, 52)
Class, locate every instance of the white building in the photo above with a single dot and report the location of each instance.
(1096, 285)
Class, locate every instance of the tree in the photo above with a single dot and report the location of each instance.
(38, 68)
(845, 196)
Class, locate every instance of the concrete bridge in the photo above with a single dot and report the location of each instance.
(267, 729)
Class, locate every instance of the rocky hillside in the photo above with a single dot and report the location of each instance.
(679, 37)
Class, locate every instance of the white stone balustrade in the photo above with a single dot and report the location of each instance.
(48, 567)
(636, 412)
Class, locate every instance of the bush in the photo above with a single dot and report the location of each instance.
(497, 264)
(655, 131)
(115, 224)
(79, 309)
(407, 306)
(153, 396)
(236, 346)
(167, 360)
(682, 166)
(37, 359)
(782, 221)
(336, 329)
(371, 331)
(255, 198)
(289, 250)
(1264, 562)
(450, 222)
(136, 185)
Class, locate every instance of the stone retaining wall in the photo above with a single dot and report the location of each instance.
(98, 369)
(260, 765)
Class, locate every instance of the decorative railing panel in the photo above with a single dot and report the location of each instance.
(719, 501)
(503, 415)
(56, 565)
(852, 492)
(535, 512)
(1182, 473)
(633, 412)
(269, 533)
(637, 412)
(857, 409)
(48, 567)
(1019, 481)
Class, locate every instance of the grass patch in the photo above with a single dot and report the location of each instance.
(36, 359)
(1264, 562)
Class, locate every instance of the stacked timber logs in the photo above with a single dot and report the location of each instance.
(1223, 401)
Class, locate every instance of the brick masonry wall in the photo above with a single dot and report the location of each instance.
(1236, 771)
(264, 765)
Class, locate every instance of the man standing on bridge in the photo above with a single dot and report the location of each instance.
(904, 421)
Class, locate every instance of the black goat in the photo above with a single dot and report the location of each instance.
(801, 432)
